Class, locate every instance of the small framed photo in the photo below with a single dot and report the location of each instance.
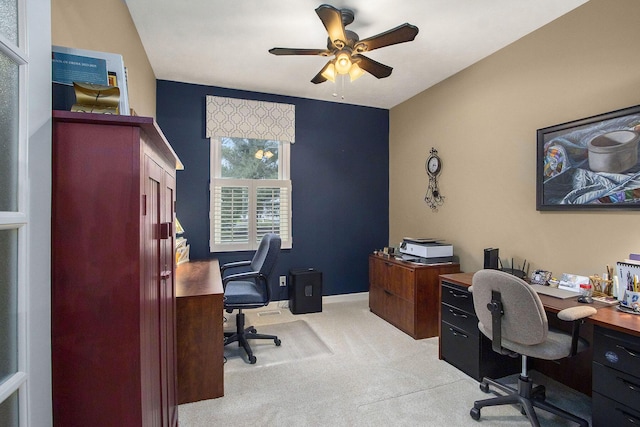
(540, 277)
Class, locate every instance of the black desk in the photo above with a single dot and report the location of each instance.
(608, 330)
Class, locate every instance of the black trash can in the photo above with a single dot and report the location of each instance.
(305, 291)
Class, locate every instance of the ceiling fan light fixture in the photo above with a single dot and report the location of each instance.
(355, 72)
(346, 46)
(343, 62)
(329, 72)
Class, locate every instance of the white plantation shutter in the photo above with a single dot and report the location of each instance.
(244, 210)
(231, 214)
(273, 210)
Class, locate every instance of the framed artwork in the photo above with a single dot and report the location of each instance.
(590, 163)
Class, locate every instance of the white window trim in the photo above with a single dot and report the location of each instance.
(283, 181)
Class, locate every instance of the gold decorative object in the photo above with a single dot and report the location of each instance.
(93, 98)
(601, 287)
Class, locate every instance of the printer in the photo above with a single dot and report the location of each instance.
(427, 250)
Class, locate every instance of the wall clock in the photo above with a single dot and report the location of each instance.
(433, 165)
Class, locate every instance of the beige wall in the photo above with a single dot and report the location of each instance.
(105, 25)
(483, 123)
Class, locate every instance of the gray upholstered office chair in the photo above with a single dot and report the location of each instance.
(511, 314)
(250, 290)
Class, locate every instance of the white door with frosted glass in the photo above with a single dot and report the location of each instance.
(24, 120)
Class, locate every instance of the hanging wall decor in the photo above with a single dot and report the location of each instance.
(433, 165)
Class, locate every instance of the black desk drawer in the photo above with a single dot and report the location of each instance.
(607, 412)
(616, 385)
(457, 296)
(460, 349)
(460, 319)
(617, 350)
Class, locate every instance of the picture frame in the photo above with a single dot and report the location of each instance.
(590, 163)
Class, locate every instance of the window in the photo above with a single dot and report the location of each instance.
(250, 193)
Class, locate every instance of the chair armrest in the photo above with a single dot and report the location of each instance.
(241, 276)
(576, 313)
(248, 275)
(234, 265)
(576, 316)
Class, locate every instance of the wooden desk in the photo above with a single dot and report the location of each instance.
(575, 372)
(199, 331)
(608, 316)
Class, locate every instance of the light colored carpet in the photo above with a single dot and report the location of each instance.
(372, 375)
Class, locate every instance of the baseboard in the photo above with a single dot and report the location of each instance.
(329, 299)
(345, 297)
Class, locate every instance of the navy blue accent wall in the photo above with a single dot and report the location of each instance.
(339, 174)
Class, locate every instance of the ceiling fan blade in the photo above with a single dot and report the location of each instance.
(400, 34)
(293, 51)
(319, 78)
(373, 67)
(332, 20)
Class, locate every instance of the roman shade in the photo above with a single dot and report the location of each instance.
(244, 118)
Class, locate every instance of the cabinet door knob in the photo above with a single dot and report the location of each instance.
(166, 230)
(630, 385)
(457, 295)
(630, 418)
(456, 314)
(458, 334)
(631, 352)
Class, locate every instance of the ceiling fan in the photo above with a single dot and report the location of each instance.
(347, 48)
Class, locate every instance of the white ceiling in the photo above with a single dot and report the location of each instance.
(225, 43)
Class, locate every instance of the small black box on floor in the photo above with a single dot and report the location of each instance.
(305, 291)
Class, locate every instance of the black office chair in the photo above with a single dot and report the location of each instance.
(511, 314)
(250, 290)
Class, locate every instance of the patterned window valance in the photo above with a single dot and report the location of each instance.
(242, 118)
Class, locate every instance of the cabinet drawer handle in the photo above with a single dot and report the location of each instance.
(457, 295)
(630, 385)
(630, 418)
(452, 311)
(458, 334)
(387, 292)
(631, 353)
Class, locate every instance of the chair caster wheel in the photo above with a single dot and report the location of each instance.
(252, 360)
(253, 330)
(278, 342)
(484, 387)
(475, 413)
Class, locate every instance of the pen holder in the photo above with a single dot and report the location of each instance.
(631, 299)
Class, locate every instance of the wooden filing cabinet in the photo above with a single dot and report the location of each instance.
(616, 378)
(461, 342)
(406, 294)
